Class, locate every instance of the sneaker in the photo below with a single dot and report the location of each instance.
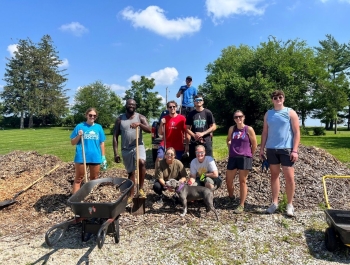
(239, 209)
(290, 210)
(160, 199)
(142, 193)
(129, 201)
(272, 208)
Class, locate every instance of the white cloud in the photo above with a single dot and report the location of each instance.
(64, 63)
(219, 9)
(116, 87)
(153, 19)
(166, 76)
(75, 28)
(163, 99)
(134, 78)
(346, 1)
(12, 48)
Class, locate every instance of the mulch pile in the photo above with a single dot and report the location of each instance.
(103, 193)
(45, 204)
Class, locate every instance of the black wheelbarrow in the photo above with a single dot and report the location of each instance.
(338, 221)
(88, 213)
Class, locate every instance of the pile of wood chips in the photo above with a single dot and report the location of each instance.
(45, 204)
(104, 192)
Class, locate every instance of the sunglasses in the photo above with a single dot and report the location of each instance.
(171, 155)
(172, 107)
(92, 116)
(198, 100)
(200, 153)
(238, 117)
(188, 80)
(279, 97)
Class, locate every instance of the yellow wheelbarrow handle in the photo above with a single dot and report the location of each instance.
(325, 188)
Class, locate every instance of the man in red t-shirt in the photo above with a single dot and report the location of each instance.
(175, 132)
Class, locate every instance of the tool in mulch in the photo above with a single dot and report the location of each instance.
(13, 200)
(264, 169)
(164, 140)
(84, 159)
(138, 207)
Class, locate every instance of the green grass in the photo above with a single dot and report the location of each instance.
(56, 141)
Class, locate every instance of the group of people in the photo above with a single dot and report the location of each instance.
(189, 134)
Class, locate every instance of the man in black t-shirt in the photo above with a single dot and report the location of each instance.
(200, 124)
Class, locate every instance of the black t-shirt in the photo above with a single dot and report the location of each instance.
(200, 121)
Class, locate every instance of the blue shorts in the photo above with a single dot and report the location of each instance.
(161, 153)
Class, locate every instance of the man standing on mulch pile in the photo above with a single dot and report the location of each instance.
(281, 137)
(125, 126)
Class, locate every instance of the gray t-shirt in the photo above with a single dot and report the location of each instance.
(207, 166)
(128, 135)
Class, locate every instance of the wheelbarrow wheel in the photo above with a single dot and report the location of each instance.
(330, 239)
(116, 232)
(101, 239)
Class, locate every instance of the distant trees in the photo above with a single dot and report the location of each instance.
(34, 83)
(101, 97)
(244, 77)
(148, 103)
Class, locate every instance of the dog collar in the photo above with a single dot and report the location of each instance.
(180, 187)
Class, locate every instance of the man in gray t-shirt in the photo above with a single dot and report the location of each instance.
(126, 126)
(203, 170)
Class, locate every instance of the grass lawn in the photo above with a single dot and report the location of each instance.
(56, 141)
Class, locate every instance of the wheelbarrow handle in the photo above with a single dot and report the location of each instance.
(63, 226)
(101, 235)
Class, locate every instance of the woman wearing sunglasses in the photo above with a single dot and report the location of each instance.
(94, 148)
(241, 140)
(281, 137)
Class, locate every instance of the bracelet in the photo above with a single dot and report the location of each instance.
(294, 152)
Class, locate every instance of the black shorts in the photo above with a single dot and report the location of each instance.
(279, 156)
(240, 162)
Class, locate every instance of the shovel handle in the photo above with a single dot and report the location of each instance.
(84, 159)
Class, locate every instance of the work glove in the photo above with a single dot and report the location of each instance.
(264, 165)
(104, 163)
(202, 177)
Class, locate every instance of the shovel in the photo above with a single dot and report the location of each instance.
(84, 159)
(138, 206)
(9, 202)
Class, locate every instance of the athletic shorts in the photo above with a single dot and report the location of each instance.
(240, 162)
(129, 157)
(161, 153)
(279, 156)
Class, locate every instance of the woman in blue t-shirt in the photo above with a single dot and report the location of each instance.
(94, 148)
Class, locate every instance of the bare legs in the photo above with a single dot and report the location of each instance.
(243, 188)
(288, 173)
(79, 175)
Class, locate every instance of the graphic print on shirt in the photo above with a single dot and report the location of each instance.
(202, 170)
(238, 135)
(91, 135)
(200, 123)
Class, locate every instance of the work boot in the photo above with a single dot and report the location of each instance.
(129, 201)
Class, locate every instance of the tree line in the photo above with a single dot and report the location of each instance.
(314, 79)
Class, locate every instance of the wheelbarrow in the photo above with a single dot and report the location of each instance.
(87, 213)
(338, 221)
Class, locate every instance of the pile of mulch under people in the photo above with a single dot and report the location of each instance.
(45, 203)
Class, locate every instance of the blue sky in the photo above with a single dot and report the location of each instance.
(118, 41)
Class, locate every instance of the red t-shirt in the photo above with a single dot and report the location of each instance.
(175, 128)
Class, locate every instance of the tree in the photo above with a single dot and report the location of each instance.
(97, 95)
(34, 84)
(334, 95)
(148, 103)
(243, 78)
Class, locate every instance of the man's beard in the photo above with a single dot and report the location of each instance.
(130, 111)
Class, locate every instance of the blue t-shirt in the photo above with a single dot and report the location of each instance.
(279, 134)
(93, 137)
(188, 95)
